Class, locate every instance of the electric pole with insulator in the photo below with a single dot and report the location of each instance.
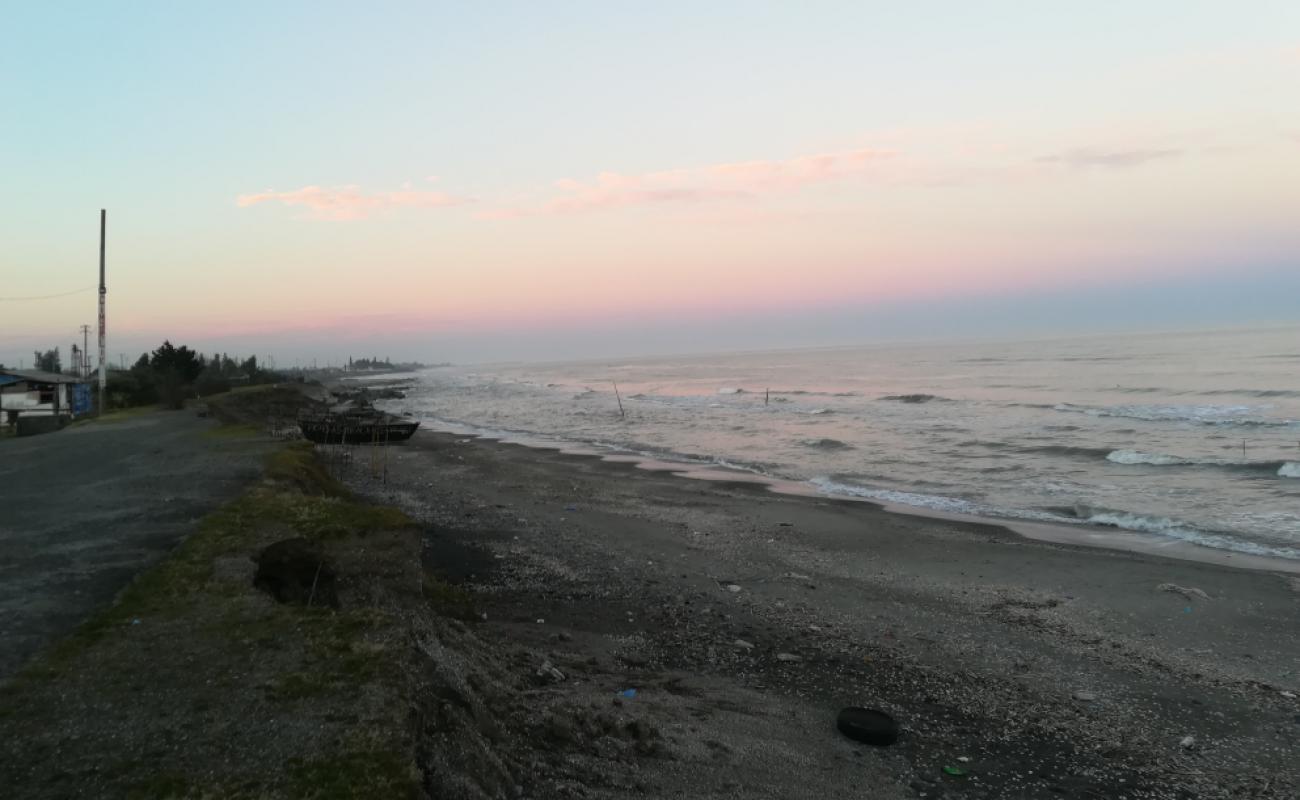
(103, 292)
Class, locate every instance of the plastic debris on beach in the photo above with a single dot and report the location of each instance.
(731, 587)
(951, 770)
(550, 671)
(628, 693)
(1190, 592)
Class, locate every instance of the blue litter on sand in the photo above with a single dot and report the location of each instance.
(628, 693)
(570, 508)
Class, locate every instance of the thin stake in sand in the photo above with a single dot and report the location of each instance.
(620, 400)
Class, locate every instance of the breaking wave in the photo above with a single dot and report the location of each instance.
(1164, 526)
(1290, 469)
(1163, 460)
(1202, 415)
(826, 444)
(915, 398)
(1138, 457)
(1137, 523)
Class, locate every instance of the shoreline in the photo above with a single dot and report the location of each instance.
(1082, 534)
(746, 618)
(515, 622)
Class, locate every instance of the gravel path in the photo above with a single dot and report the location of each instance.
(84, 510)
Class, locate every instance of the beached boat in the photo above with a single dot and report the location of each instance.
(356, 424)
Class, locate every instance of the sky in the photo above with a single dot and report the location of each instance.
(499, 181)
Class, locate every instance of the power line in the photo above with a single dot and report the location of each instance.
(45, 296)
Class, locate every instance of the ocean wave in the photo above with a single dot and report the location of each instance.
(1124, 520)
(1165, 460)
(1138, 457)
(810, 393)
(915, 398)
(826, 444)
(1066, 450)
(1073, 451)
(730, 390)
(1290, 469)
(936, 502)
(1202, 415)
(1174, 529)
(1262, 393)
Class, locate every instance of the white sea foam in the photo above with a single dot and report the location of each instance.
(1138, 457)
(1163, 460)
(1163, 526)
(1246, 416)
(932, 502)
(1290, 469)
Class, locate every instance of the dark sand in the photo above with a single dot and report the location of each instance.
(1037, 669)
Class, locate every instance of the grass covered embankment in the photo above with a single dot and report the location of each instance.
(197, 683)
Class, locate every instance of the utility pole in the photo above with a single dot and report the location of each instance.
(103, 365)
(83, 369)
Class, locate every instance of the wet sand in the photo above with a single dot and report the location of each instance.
(745, 619)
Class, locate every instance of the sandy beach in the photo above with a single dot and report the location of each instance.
(744, 620)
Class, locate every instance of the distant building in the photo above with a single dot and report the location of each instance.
(47, 399)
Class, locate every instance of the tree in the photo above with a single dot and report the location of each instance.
(174, 370)
(48, 361)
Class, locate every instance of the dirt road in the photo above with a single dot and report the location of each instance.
(84, 510)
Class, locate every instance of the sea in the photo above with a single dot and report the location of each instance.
(1191, 436)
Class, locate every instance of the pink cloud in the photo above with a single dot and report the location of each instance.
(340, 203)
(694, 184)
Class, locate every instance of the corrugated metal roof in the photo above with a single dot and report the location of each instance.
(38, 376)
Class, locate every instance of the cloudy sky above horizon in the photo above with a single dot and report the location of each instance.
(555, 180)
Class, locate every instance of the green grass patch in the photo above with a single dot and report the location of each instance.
(361, 774)
(448, 600)
(164, 590)
(210, 640)
(297, 465)
(237, 431)
(159, 787)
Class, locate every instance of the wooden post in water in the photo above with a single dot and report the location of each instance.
(767, 395)
(620, 400)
